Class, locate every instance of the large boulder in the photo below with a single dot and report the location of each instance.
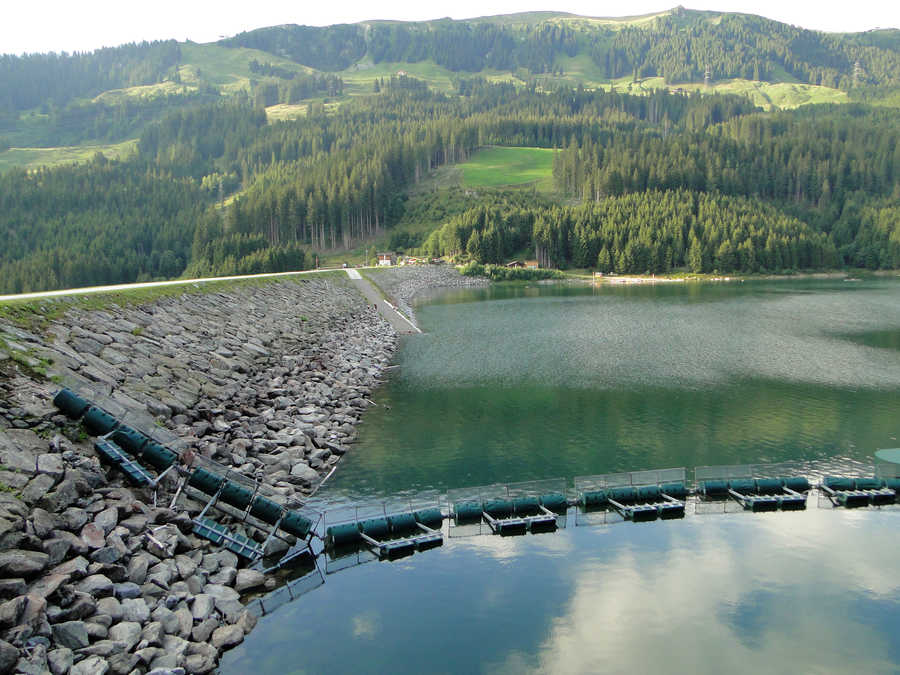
(227, 636)
(126, 632)
(9, 655)
(17, 563)
(92, 665)
(304, 473)
(19, 449)
(71, 634)
(247, 578)
(96, 585)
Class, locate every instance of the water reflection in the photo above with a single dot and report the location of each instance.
(817, 591)
(779, 594)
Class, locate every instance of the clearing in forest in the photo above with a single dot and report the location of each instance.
(495, 166)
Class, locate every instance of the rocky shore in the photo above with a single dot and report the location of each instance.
(404, 284)
(268, 379)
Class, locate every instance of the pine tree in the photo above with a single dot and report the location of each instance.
(474, 247)
(604, 262)
(695, 256)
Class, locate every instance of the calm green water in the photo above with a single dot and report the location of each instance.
(521, 383)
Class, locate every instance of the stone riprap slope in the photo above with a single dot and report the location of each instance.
(268, 379)
(403, 284)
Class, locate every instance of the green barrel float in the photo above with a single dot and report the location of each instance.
(296, 524)
(402, 523)
(377, 528)
(796, 483)
(98, 421)
(498, 508)
(596, 499)
(838, 483)
(158, 456)
(205, 481)
(555, 502)
(743, 486)
(237, 495)
(868, 483)
(70, 403)
(130, 440)
(467, 511)
(340, 535)
(432, 518)
(768, 486)
(266, 510)
(623, 495)
(676, 490)
(714, 488)
(893, 484)
(526, 506)
(647, 493)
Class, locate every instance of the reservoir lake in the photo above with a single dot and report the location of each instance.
(526, 382)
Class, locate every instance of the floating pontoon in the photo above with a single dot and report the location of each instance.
(390, 529)
(754, 487)
(638, 496)
(509, 509)
(855, 492)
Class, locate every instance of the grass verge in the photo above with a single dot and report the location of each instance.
(36, 314)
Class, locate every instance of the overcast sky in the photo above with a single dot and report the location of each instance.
(67, 25)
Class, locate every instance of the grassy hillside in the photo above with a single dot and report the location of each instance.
(228, 67)
(32, 158)
(360, 77)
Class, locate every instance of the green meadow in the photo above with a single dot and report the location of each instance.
(32, 158)
(493, 167)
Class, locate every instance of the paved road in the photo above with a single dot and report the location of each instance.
(400, 323)
(149, 284)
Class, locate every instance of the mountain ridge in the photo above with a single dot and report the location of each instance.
(109, 96)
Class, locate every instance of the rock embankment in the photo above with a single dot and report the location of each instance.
(94, 577)
(404, 284)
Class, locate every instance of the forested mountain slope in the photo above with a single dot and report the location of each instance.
(684, 177)
(112, 94)
(679, 46)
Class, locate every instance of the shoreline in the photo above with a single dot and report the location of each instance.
(403, 285)
(670, 278)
